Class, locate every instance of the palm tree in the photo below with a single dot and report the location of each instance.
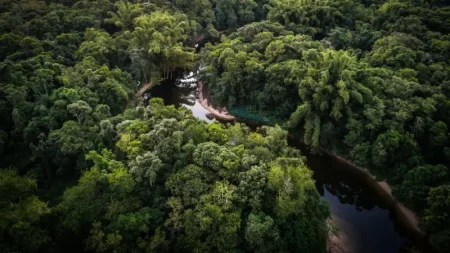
(125, 15)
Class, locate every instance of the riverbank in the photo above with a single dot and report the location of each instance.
(340, 240)
(405, 216)
(144, 88)
(408, 218)
(220, 113)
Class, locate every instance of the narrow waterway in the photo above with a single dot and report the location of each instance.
(366, 223)
(361, 214)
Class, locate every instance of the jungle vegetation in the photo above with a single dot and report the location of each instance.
(86, 166)
(366, 80)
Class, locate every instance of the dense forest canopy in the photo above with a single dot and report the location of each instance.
(87, 166)
(366, 80)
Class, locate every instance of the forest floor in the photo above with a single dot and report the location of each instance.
(219, 113)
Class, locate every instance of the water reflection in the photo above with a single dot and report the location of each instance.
(182, 92)
(348, 192)
(360, 213)
(363, 218)
(359, 217)
(350, 196)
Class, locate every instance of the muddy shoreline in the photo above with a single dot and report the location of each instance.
(408, 218)
(202, 97)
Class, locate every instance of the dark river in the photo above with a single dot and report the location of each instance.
(365, 223)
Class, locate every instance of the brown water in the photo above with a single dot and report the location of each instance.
(362, 214)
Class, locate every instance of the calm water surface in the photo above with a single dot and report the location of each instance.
(357, 210)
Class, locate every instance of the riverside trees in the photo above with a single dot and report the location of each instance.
(365, 80)
(114, 177)
(368, 80)
(170, 193)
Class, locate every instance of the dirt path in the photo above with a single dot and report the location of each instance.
(220, 113)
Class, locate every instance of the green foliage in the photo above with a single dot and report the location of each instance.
(436, 216)
(159, 37)
(207, 185)
(418, 182)
(364, 80)
(126, 13)
(291, 180)
(261, 233)
(20, 214)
